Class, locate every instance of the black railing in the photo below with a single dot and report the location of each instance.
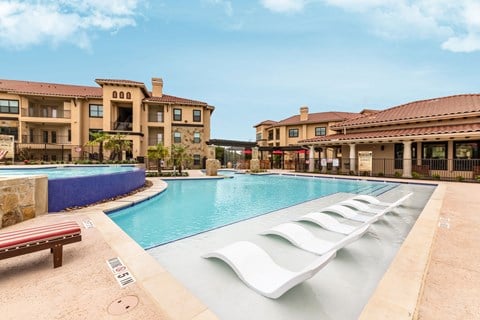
(46, 113)
(433, 169)
(45, 139)
(122, 126)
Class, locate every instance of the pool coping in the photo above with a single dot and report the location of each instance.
(405, 274)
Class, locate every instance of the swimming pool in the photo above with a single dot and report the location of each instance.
(66, 171)
(189, 207)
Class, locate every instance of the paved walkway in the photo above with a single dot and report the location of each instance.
(84, 287)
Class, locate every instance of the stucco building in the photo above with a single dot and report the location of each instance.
(54, 121)
(436, 137)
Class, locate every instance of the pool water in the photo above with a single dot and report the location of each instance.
(66, 171)
(189, 207)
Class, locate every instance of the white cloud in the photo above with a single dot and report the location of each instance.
(456, 24)
(27, 23)
(227, 6)
(284, 5)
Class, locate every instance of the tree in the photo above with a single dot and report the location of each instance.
(158, 152)
(179, 155)
(99, 138)
(117, 144)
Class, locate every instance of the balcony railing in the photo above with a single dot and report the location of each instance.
(36, 139)
(46, 113)
(122, 126)
(155, 117)
(154, 141)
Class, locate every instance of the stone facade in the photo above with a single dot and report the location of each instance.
(22, 198)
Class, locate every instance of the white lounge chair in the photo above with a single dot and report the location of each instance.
(257, 270)
(304, 239)
(356, 215)
(371, 200)
(327, 222)
(373, 208)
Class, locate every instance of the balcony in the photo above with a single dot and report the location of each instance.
(154, 141)
(42, 139)
(122, 126)
(46, 112)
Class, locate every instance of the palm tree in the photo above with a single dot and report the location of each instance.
(117, 143)
(99, 138)
(158, 152)
(179, 155)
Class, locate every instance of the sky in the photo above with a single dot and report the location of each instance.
(254, 60)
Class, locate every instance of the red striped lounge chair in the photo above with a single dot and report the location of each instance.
(53, 237)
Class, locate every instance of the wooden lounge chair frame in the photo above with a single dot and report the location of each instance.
(52, 237)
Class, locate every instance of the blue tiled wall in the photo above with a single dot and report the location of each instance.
(80, 191)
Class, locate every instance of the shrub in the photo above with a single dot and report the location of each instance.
(380, 174)
(459, 178)
(398, 174)
(416, 175)
(436, 176)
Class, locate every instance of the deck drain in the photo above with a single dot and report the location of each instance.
(123, 305)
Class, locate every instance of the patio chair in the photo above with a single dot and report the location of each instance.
(257, 269)
(359, 215)
(327, 222)
(53, 237)
(304, 239)
(371, 200)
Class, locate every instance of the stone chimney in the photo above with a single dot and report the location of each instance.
(157, 87)
(303, 113)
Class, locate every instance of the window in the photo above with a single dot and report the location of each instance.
(293, 133)
(259, 136)
(177, 114)
(320, 131)
(69, 135)
(398, 150)
(32, 137)
(11, 131)
(177, 137)
(122, 95)
(114, 95)
(8, 106)
(435, 155)
(196, 137)
(96, 111)
(129, 95)
(196, 159)
(45, 136)
(466, 155)
(54, 136)
(270, 135)
(197, 115)
(277, 134)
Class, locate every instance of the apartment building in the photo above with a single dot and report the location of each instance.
(54, 122)
(437, 137)
(278, 141)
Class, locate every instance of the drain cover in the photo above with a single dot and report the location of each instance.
(123, 305)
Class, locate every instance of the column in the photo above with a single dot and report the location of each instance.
(311, 159)
(407, 159)
(352, 158)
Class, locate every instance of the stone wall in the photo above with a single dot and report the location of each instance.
(22, 198)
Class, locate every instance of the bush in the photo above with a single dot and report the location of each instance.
(380, 174)
(416, 175)
(459, 178)
(398, 174)
(436, 176)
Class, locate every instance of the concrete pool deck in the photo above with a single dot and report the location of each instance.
(434, 276)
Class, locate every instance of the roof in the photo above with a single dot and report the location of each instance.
(397, 133)
(457, 105)
(318, 117)
(174, 100)
(49, 89)
(266, 122)
(122, 82)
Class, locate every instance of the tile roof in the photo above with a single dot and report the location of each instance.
(120, 81)
(318, 117)
(397, 133)
(266, 122)
(418, 110)
(174, 100)
(49, 89)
